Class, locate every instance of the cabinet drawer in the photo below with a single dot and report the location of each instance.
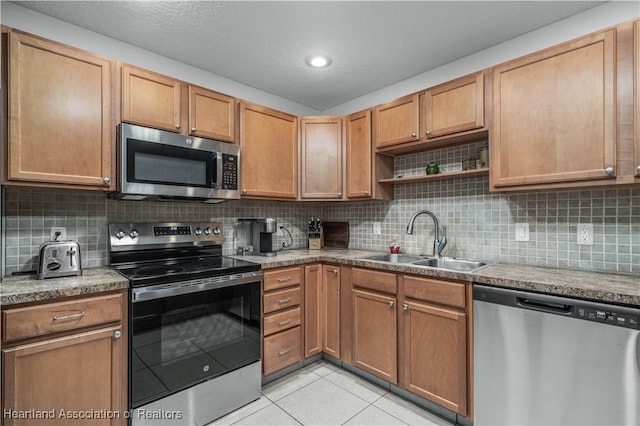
(279, 321)
(282, 278)
(282, 299)
(374, 280)
(432, 290)
(32, 321)
(281, 350)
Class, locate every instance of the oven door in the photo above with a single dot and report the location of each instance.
(189, 332)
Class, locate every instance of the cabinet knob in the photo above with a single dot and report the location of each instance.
(106, 180)
(366, 192)
(244, 190)
(339, 194)
(117, 335)
(193, 129)
(405, 307)
(178, 126)
(609, 170)
(427, 133)
(334, 271)
(391, 303)
(638, 169)
(413, 135)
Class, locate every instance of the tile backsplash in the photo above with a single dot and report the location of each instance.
(480, 224)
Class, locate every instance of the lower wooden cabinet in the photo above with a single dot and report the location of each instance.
(282, 330)
(331, 310)
(66, 374)
(312, 310)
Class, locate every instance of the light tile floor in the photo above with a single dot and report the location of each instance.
(324, 394)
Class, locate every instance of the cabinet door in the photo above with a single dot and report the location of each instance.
(77, 373)
(321, 157)
(150, 99)
(60, 114)
(455, 107)
(636, 84)
(435, 353)
(331, 310)
(312, 310)
(397, 121)
(554, 115)
(359, 155)
(375, 334)
(212, 115)
(269, 152)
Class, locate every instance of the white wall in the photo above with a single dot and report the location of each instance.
(36, 23)
(595, 19)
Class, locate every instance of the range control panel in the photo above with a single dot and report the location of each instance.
(128, 236)
(608, 316)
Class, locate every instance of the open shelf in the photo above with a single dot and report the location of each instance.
(439, 176)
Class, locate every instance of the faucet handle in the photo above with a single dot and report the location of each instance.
(442, 243)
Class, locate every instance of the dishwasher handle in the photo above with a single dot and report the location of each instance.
(542, 306)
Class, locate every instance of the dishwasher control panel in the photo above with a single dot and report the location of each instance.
(608, 316)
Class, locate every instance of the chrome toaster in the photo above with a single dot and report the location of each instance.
(59, 259)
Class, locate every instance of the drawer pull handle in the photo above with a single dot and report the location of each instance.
(284, 280)
(284, 301)
(284, 351)
(69, 317)
(285, 322)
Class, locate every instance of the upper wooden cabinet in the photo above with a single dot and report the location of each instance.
(397, 121)
(154, 100)
(554, 116)
(359, 181)
(321, 153)
(269, 153)
(60, 115)
(636, 84)
(454, 107)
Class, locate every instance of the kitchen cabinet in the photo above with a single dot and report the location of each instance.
(60, 121)
(363, 166)
(269, 153)
(374, 342)
(282, 320)
(331, 310)
(154, 100)
(636, 85)
(67, 356)
(434, 341)
(321, 158)
(454, 107)
(554, 122)
(322, 310)
(397, 121)
(312, 310)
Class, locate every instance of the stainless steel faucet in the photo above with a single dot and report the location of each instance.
(438, 243)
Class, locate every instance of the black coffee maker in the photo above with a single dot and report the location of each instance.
(259, 233)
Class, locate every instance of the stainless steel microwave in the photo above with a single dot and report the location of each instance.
(156, 164)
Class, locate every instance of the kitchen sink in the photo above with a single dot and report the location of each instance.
(394, 258)
(451, 263)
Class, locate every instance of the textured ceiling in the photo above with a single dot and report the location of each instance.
(264, 44)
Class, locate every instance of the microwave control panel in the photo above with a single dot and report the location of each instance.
(229, 172)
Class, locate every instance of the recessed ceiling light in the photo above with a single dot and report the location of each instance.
(318, 61)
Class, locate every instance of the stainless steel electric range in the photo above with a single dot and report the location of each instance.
(194, 322)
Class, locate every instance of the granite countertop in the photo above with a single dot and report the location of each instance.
(27, 288)
(599, 286)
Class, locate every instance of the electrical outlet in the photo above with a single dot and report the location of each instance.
(63, 233)
(522, 232)
(377, 228)
(585, 234)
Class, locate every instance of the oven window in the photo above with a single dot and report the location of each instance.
(183, 340)
(149, 162)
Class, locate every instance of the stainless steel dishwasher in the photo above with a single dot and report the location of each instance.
(547, 360)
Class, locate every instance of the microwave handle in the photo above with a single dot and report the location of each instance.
(216, 178)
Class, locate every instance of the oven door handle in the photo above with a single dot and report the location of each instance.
(160, 291)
